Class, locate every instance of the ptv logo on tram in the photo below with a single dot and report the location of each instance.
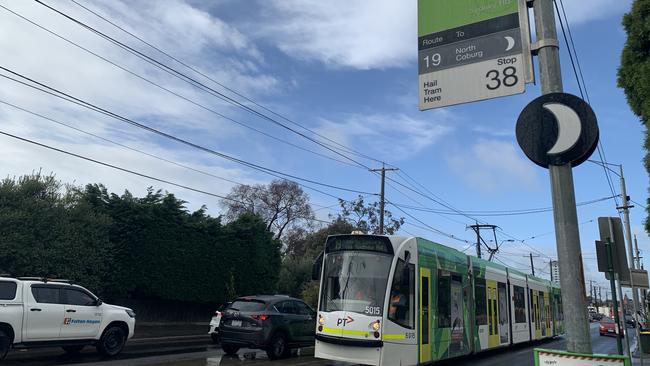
(344, 321)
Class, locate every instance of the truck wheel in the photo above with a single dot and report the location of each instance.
(111, 342)
(230, 349)
(5, 344)
(278, 347)
(72, 350)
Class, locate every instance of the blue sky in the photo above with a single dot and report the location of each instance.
(345, 69)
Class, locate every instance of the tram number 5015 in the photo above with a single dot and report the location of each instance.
(507, 77)
(373, 310)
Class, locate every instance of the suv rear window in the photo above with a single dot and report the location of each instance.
(247, 305)
(7, 290)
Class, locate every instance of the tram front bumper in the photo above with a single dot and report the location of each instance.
(341, 349)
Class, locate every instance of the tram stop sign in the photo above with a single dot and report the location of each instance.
(471, 50)
(557, 129)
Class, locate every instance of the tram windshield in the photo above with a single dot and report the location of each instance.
(355, 281)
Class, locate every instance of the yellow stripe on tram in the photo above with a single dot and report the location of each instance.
(394, 336)
(362, 333)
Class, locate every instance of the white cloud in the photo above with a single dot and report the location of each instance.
(493, 165)
(389, 136)
(341, 33)
(581, 11)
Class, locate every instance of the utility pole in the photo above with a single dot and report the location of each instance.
(563, 194)
(638, 253)
(382, 202)
(532, 265)
(591, 291)
(628, 236)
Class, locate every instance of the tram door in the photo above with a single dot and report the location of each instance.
(493, 314)
(425, 314)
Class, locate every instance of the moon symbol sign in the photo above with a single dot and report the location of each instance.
(569, 127)
(511, 43)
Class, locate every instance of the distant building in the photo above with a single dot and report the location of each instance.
(555, 272)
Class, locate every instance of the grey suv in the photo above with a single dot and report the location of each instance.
(272, 323)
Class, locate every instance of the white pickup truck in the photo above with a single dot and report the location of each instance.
(49, 313)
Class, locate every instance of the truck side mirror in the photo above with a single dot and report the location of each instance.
(98, 302)
(317, 267)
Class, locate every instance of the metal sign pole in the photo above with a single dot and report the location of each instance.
(564, 203)
(610, 268)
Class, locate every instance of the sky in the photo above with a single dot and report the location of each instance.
(338, 72)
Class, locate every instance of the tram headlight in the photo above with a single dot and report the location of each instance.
(375, 325)
(321, 320)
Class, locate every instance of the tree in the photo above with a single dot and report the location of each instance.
(365, 216)
(282, 205)
(47, 230)
(634, 72)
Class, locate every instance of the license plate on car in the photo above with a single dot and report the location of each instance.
(610, 330)
(236, 323)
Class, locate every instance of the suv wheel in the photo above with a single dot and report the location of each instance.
(230, 349)
(5, 344)
(112, 341)
(72, 350)
(278, 348)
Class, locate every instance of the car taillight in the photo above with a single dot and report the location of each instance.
(260, 317)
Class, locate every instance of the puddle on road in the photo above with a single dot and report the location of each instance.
(303, 357)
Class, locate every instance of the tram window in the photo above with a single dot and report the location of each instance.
(481, 304)
(401, 309)
(444, 299)
(532, 310)
(520, 304)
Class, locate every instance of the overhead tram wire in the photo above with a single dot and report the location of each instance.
(156, 156)
(189, 80)
(191, 101)
(431, 228)
(208, 77)
(582, 85)
(500, 213)
(71, 99)
(133, 172)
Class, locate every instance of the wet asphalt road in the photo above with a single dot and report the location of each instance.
(198, 351)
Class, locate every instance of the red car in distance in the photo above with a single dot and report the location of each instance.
(608, 327)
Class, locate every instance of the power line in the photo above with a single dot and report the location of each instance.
(71, 99)
(133, 172)
(431, 228)
(248, 99)
(153, 155)
(198, 84)
(500, 213)
(191, 101)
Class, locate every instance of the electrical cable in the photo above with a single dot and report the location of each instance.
(133, 172)
(178, 95)
(194, 83)
(208, 77)
(69, 98)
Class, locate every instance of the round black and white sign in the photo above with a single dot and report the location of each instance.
(557, 129)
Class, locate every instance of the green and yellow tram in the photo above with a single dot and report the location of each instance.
(389, 300)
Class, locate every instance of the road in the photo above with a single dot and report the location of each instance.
(198, 351)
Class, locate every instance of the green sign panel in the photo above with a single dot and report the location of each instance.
(472, 50)
(438, 15)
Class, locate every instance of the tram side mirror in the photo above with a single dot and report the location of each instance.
(317, 267)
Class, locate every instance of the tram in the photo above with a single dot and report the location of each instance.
(390, 300)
